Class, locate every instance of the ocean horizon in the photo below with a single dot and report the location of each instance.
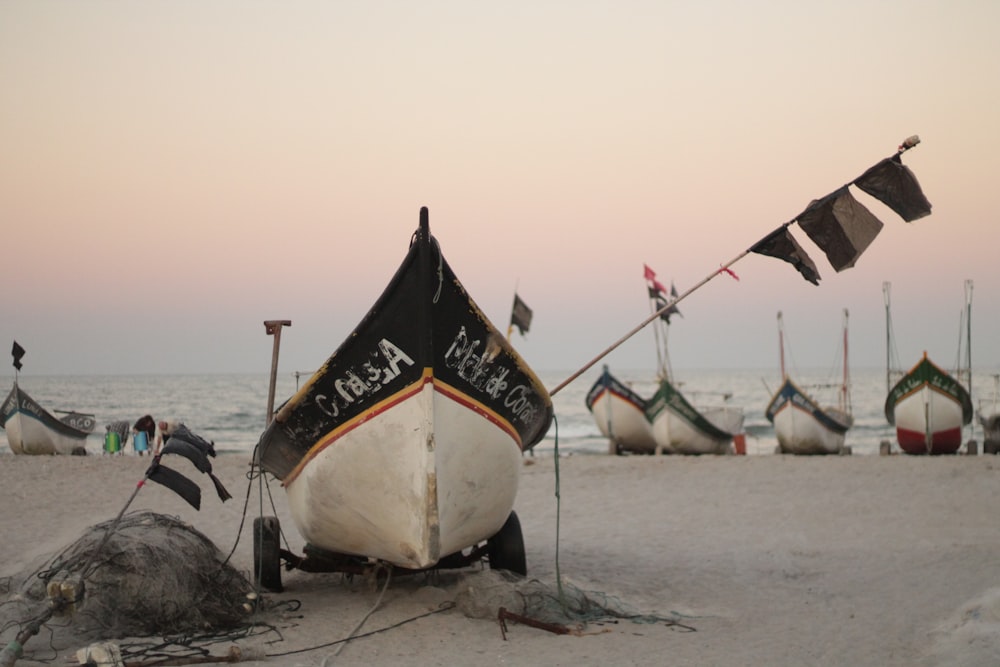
(231, 409)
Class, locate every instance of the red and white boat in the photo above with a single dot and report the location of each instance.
(927, 405)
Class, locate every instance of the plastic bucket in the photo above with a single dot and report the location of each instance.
(740, 443)
(140, 441)
(112, 442)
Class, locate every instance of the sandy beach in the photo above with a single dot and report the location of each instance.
(758, 560)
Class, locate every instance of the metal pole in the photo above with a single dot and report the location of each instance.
(273, 328)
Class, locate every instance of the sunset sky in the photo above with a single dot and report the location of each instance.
(174, 173)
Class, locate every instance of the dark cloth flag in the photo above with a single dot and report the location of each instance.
(520, 315)
(17, 352)
(892, 183)
(781, 244)
(176, 482)
(841, 226)
(197, 450)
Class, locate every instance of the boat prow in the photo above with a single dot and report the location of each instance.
(620, 415)
(681, 428)
(928, 407)
(33, 430)
(405, 446)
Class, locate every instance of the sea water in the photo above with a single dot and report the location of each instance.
(231, 410)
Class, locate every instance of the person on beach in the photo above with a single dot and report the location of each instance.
(164, 430)
(143, 433)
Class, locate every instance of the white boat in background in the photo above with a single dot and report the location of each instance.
(681, 428)
(620, 414)
(801, 424)
(31, 429)
(678, 426)
(989, 418)
(928, 406)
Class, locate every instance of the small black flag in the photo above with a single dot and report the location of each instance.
(17, 352)
(520, 316)
(781, 244)
(176, 482)
(196, 450)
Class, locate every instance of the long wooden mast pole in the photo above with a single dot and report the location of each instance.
(905, 146)
(723, 269)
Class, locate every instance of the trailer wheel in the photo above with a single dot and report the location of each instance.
(506, 549)
(267, 553)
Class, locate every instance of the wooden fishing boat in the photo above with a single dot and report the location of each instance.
(801, 424)
(678, 426)
(31, 429)
(405, 446)
(927, 405)
(929, 408)
(620, 414)
(681, 428)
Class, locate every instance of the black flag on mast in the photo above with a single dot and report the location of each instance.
(17, 352)
(520, 315)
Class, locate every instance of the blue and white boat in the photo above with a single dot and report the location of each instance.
(801, 424)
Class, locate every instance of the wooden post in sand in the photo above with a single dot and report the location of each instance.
(273, 328)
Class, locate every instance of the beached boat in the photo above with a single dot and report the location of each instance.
(31, 429)
(620, 414)
(681, 428)
(927, 405)
(405, 446)
(678, 426)
(989, 418)
(801, 424)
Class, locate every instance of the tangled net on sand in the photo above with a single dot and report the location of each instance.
(154, 575)
(482, 594)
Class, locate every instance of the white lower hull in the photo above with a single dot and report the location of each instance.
(676, 435)
(624, 423)
(423, 479)
(26, 434)
(799, 432)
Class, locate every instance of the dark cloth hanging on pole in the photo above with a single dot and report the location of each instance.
(781, 244)
(894, 184)
(841, 226)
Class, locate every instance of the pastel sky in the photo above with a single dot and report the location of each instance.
(173, 173)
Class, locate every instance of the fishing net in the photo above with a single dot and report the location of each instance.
(566, 606)
(153, 575)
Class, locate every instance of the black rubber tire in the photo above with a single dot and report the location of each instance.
(267, 553)
(506, 549)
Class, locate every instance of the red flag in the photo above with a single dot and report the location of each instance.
(726, 269)
(648, 273)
